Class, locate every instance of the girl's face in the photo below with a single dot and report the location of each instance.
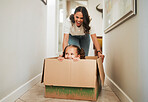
(78, 18)
(71, 52)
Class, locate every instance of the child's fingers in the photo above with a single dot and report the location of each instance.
(60, 58)
(76, 59)
(61, 55)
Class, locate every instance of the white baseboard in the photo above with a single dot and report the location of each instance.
(117, 90)
(21, 90)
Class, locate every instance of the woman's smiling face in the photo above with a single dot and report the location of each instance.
(78, 18)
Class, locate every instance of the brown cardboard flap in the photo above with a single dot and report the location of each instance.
(70, 73)
(56, 73)
(83, 73)
(42, 80)
(91, 57)
(101, 70)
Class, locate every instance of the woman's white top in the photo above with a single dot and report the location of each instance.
(71, 28)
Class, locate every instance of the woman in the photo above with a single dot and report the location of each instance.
(77, 31)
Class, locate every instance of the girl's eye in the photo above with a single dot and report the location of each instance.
(66, 53)
(81, 18)
(77, 17)
(72, 54)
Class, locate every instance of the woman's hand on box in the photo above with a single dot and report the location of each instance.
(102, 56)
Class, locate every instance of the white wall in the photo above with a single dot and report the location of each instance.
(52, 38)
(126, 51)
(22, 42)
(97, 20)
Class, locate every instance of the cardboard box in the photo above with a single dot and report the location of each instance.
(73, 79)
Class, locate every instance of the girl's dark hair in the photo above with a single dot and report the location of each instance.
(80, 51)
(86, 19)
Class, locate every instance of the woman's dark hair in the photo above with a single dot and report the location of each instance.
(80, 51)
(86, 19)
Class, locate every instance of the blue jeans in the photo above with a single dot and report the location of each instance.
(83, 41)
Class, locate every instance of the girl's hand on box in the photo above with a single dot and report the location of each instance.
(76, 59)
(60, 58)
(61, 55)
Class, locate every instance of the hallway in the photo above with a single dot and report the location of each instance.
(28, 35)
(36, 94)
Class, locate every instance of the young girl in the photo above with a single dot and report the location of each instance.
(72, 52)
